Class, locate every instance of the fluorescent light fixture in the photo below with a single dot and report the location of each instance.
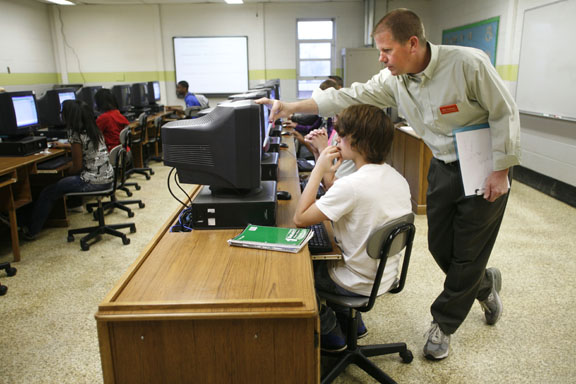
(61, 2)
(234, 1)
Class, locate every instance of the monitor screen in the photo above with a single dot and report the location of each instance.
(156, 87)
(25, 110)
(66, 96)
(154, 94)
(221, 149)
(18, 113)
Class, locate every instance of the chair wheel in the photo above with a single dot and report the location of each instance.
(128, 193)
(3, 290)
(84, 246)
(70, 238)
(151, 172)
(141, 205)
(147, 177)
(133, 229)
(407, 356)
(11, 271)
(137, 187)
(130, 214)
(125, 240)
(89, 209)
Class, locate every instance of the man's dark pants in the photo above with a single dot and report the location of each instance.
(461, 234)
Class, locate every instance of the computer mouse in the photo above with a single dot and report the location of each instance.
(283, 145)
(283, 195)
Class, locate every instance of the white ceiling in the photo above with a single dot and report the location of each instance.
(119, 2)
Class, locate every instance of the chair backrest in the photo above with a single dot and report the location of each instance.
(143, 123)
(158, 125)
(125, 137)
(387, 241)
(117, 157)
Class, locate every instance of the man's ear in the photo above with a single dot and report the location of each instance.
(414, 43)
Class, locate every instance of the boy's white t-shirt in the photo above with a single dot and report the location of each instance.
(358, 204)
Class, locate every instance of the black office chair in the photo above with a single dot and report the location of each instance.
(117, 157)
(128, 141)
(150, 144)
(94, 232)
(10, 271)
(387, 241)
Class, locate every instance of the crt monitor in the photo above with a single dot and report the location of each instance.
(254, 94)
(221, 149)
(273, 84)
(122, 95)
(139, 95)
(18, 113)
(153, 92)
(86, 94)
(50, 106)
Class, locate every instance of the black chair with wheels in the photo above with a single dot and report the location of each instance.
(10, 271)
(102, 228)
(140, 140)
(158, 120)
(118, 158)
(149, 148)
(387, 241)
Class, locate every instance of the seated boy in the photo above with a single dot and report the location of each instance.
(357, 204)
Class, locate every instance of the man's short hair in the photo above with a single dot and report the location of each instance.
(328, 83)
(183, 83)
(402, 24)
(368, 129)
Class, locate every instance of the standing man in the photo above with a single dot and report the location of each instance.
(437, 89)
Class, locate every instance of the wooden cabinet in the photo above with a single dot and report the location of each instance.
(411, 157)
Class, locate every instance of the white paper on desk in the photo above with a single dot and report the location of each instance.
(474, 150)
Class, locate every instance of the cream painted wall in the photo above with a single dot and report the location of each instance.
(26, 46)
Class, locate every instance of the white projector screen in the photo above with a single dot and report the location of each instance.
(212, 65)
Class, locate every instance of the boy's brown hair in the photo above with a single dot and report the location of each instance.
(368, 129)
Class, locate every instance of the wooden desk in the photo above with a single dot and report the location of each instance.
(411, 157)
(192, 309)
(16, 188)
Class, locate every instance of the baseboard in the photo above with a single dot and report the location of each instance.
(545, 184)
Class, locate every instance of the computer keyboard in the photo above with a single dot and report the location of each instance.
(321, 191)
(320, 242)
(304, 165)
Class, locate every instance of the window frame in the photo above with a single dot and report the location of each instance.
(299, 60)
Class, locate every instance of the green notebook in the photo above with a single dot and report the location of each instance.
(272, 238)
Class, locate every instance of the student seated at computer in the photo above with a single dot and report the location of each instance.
(91, 170)
(357, 204)
(194, 101)
(110, 122)
(301, 125)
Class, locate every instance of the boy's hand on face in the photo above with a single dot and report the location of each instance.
(326, 163)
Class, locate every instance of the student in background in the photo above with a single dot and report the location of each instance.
(91, 169)
(191, 99)
(338, 80)
(439, 88)
(304, 124)
(357, 205)
(110, 122)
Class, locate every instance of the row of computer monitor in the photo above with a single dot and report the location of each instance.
(21, 113)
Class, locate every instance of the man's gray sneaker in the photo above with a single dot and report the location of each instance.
(492, 306)
(438, 344)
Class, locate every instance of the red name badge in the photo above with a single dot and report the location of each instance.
(448, 109)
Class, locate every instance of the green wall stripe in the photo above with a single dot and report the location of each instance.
(508, 72)
(29, 78)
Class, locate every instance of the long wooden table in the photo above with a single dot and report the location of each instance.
(192, 309)
(16, 189)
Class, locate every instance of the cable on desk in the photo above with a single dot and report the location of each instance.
(185, 217)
